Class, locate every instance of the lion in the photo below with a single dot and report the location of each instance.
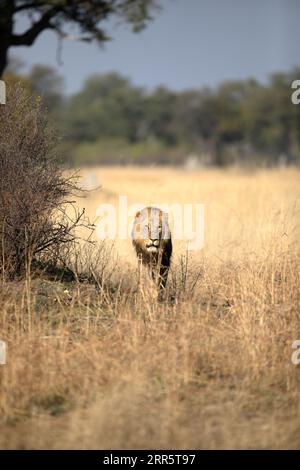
(151, 238)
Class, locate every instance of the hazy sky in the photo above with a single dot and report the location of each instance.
(190, 43)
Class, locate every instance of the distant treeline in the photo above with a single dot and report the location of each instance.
(111, 121)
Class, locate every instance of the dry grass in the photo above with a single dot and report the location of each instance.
(100, 367)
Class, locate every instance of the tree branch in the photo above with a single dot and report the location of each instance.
(28, 38)
(27, 6)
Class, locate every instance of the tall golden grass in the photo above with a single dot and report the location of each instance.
(106, 367)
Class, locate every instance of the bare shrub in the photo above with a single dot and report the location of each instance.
(34, 191)
(185, 277)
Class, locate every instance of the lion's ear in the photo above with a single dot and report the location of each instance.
(137, 214)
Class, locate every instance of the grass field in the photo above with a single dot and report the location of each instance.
(108, 367)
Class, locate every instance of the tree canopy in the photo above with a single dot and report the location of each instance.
(58, 15)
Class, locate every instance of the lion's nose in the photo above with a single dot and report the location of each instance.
(154, 241)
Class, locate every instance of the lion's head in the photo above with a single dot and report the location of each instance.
(151, 232)
(151, 238)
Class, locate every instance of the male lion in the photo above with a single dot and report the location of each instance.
(151, 238)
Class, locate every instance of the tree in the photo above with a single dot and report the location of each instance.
(57, 15)
(196, 117)
(45, 82)
(160, 108)
(107, 106)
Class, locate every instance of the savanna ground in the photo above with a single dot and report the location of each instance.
(103, 366)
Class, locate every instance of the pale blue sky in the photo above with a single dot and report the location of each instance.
(191, 43)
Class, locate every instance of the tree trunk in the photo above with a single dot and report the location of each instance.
(6, 28)
(3, 58)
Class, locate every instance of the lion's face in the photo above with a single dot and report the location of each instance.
(151, 230)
